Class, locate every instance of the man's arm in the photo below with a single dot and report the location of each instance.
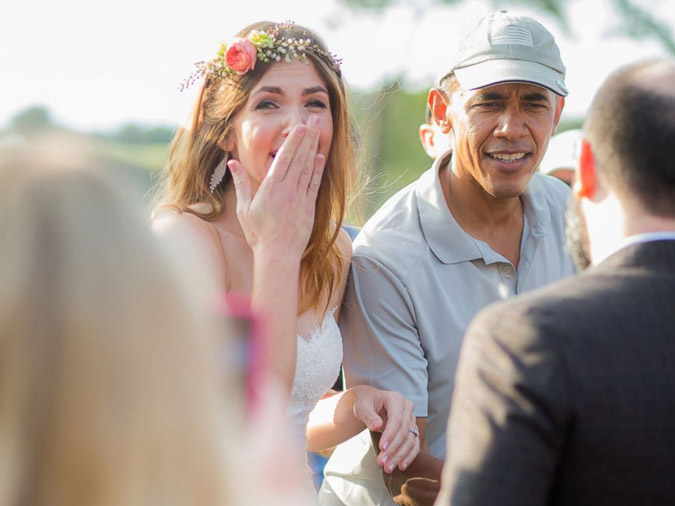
(509, 411)
(381, 343)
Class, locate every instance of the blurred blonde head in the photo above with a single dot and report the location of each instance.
(109, 385)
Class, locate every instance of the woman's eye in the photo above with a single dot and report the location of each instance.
(265, 104)
(319, 104)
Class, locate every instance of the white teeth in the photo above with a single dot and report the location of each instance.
(508, 158)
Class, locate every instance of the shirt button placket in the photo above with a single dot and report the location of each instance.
(509, 277)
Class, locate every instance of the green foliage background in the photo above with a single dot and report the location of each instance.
(392, 157)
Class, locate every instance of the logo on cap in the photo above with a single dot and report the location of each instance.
(511, 35)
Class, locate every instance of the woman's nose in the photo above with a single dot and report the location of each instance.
(294, 117)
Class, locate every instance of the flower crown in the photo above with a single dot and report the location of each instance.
(240, 55)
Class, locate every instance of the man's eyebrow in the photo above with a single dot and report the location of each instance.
(487, 95)
(535, 96)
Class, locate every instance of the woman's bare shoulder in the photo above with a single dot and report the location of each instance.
(192, 239)
(174, 222)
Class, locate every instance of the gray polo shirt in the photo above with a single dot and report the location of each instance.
(417, 280)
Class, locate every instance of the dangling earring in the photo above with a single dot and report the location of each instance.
(219, 173)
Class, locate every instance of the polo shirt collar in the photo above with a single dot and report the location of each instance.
(448, 241)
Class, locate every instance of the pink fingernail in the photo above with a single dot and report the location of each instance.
(384, 459)
(404, 466)
(385, 445)
(314, 120)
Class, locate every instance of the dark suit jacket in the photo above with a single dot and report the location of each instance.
(566, 395)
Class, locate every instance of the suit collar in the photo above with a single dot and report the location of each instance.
(659, 254)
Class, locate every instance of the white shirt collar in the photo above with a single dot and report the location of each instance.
(637, 239)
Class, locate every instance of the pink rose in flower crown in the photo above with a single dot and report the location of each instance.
(241, 55)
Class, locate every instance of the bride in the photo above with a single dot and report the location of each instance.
(258, 184)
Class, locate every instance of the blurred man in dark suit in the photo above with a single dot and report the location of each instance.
(566, 395)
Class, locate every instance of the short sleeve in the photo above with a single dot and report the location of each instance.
(381, 343)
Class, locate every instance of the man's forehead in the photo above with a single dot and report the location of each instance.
(513, 89)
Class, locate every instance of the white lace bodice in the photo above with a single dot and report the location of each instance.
(317, 366)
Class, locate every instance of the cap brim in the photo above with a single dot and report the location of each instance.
(493, 72)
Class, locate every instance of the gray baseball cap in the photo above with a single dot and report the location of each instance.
(503, 47)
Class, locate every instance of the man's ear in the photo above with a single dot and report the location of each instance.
(438, 104)
(586, 182)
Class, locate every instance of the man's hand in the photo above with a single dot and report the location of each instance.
(419, 484)
(418, 492)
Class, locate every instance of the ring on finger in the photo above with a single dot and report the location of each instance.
(414, 431)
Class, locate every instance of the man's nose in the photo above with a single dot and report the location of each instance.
(512, 124)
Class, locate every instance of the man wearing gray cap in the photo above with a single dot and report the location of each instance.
(566, 396)
(477, 227)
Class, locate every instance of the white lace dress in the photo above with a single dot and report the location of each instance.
(317, 366)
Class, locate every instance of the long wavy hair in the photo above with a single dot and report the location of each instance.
(196, 151)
